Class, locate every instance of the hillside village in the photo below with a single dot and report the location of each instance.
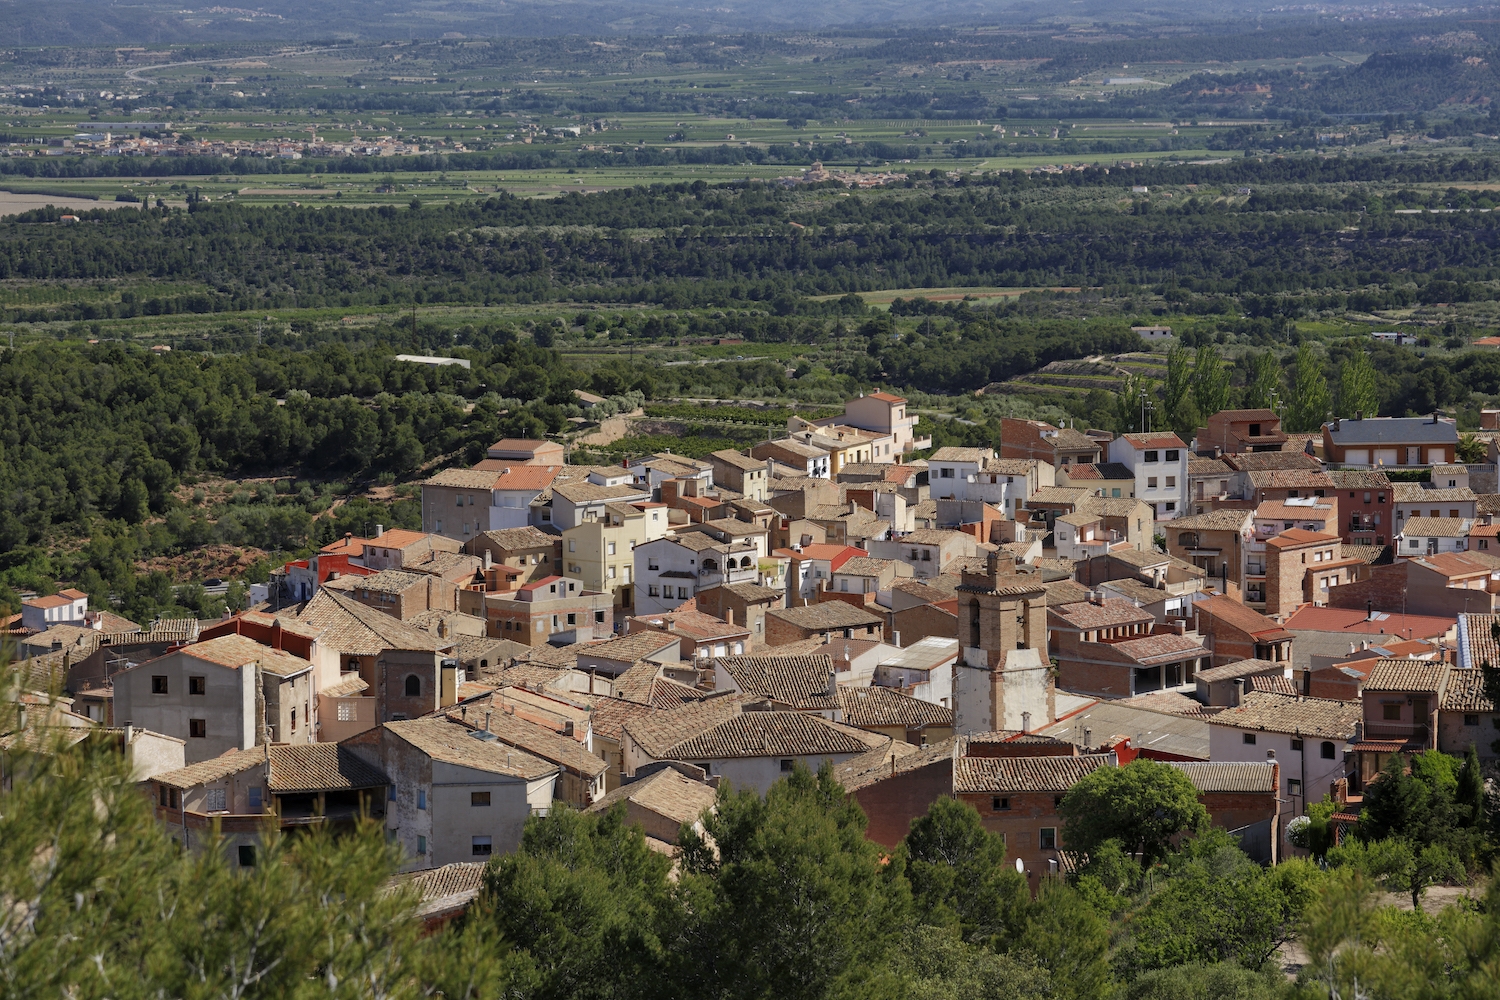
(1275, 615)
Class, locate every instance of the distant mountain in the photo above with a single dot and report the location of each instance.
(100, 22)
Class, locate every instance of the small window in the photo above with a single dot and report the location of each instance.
(198, 728)
(1249, 739)
(1391, 712)
(1150, 482)
(1326, 750)
(1151, 456)
(1046, 839)
(482, 846)
(294, 720)
(1471, 720)
(196, 685)
(346, 709)
(159, 684)
(1296, 744)
(165, 796)
(421, 798)
(421, 845)
(479, 798)
(247, 855)
(1172, 455)
(598, 617)
(413, 686)
(786, 765)
(999, 804)
(1293, 786)
(392, 794)
(256, 802)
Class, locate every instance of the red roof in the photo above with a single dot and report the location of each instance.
(1154, 440)
(835, 555)
(354, 548)
(538, 584)
(526, 477)
(1356, 622)
(55, 601)
(1300, 536)
(886, 397)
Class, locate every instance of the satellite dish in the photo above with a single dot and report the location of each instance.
(1020, 866)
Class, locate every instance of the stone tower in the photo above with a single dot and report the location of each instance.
(1003, 678)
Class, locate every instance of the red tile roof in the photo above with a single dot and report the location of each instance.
(1300, 536)
(1354, 621)
(1154, 440)
(544, 581)
(526, 477)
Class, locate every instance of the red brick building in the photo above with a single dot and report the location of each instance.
(1234, 632)
(1302, 567)
(1365, 506)
(1112, 648)
(1234, 431)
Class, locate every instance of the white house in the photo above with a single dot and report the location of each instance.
(670, 570)
(1308, 737)
(1430, 536)
(1159, 462)
(576, 502)
(66, 607)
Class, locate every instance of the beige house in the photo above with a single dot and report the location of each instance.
(741, 473)
(601, 553)
(229, 693)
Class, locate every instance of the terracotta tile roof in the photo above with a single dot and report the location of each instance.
(235, 651)
(870, 707)
(51, 601)
(533, 738)
(1272, 683)
(1283, 510)
(630, 648)
(586, 492)
(389, 581)
(463, 479)
(1247, 620)
(1025, 774)
(733, 458)
(1154, 440)
(1241, 668)
(952, 454)
(1279, 713)
(453, 743)
(1465, 692)
(774, 734)
(1095, 471)
(1435, 527)
(347, 687)
(752, 593)
(895, 758)
(1229, 776)
(699, 626)
(659, 732)
(526, 477)
(460, 878)
(827, 615)
(1453, 564)
(668, 793)
(301, 767)
(1417, 493)
(1065, 592)
(1208, 467)
(1087, 616)
(1418, 676)
(609, 715)
(1253, 461)
(866, 566)
(1280, 479)
(886, 397)
(1351, 621)
(1292, 537)
(528, 537)
(799, 682)
(1356, 479)
(355, 630)
(1149, 650)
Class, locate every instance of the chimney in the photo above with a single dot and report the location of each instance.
(1369, 610)
(1239, 691)
(1088, 738)
(1271, 755)
(348, 539)
(1336, 423)
(486, 721)
(1359, 414)
(379, 530)
(729, 615)
(1025, 722)
(489, 560)
(129, 733)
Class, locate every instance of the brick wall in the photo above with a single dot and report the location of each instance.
(893, 802)
(920, 622)
(1093, 678)
(1021, 824)
(1383, 590)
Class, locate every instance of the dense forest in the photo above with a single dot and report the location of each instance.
(778, 896)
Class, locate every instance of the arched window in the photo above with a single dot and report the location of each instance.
(709, 565)
(413, 686)
(1188, 539)
(745, 563)
(1327, 750)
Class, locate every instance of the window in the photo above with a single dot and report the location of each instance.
(477, 799)
(213, 800)
(196, 685)
(294, 720)
(482, 846)
(392, 794)
(1172, 455)
(247, 855)
(1391, 712)
(1293, 786)
(255, 799)
(1171, 482)
(421, 845)
(682, 593)
(346, 709)
(1150, 482)
(1046, 839)
(1114, 492)
(413, 686)
(158, 684)
(999, 804)
(572, 545)
(1471, 720)
(945, 473)
(1296, 744)
(421, 798)
(1326, 750)
(610, 548)
(599, 615)
(651, 591)
(198, 728)
(572, 618)
(1367, 497)
(1151, 456)
(1249, 739)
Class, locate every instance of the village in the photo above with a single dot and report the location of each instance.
(1275, 615)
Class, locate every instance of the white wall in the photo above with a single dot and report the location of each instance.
(1316, 773)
